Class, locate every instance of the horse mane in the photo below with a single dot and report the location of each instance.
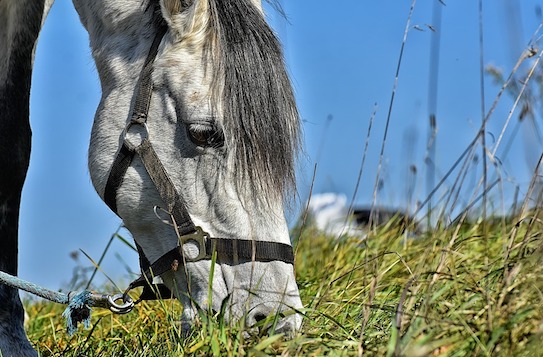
(258, 110)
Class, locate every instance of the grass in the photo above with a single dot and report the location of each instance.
(452, 292)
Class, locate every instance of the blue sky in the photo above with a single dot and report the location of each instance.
(342, 59)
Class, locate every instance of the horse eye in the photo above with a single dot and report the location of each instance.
(205, 136)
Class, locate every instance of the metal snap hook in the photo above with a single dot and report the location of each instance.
(158, 210)
(124, 308)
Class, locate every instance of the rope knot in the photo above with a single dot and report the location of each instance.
(78, 310)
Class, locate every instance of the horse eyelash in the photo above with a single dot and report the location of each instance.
(214, 137)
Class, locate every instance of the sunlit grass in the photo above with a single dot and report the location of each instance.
(455, 291)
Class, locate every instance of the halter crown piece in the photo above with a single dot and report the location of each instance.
(234, 249)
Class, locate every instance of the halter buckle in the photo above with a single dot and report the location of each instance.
(199, 236)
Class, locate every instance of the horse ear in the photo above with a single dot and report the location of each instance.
(177, 14)
(258, 4)
(172, 7)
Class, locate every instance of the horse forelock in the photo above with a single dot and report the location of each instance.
(258, 110)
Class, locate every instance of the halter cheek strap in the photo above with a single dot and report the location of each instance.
(234, 250)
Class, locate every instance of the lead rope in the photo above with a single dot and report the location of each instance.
(80, 304)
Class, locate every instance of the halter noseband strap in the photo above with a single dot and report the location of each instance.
(234, 249)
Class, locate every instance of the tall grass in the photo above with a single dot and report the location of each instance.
(453, 291)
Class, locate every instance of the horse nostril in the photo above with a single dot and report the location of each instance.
(268, 320)
(259, 317)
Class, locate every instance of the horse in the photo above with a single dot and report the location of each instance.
(193, 145)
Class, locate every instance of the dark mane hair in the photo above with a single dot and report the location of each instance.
(260, 119)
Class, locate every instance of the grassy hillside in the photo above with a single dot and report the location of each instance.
(470, 289)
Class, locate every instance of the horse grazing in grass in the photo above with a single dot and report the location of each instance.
(193, 146)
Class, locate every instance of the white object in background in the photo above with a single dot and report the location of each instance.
(329, 212)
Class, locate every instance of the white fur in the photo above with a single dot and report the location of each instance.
(258, 4)
(181, 98)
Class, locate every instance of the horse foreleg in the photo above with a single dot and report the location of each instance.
(14, 159)
(20, 23)
(13, 340)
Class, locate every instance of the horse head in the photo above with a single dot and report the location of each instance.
(222, 121)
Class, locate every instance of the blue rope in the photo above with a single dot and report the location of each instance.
(78, 310)
(21, 284)
(79, 304)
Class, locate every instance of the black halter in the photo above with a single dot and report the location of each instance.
(232, 249)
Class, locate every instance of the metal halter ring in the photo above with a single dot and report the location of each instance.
(145, 134)
(124, 308)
